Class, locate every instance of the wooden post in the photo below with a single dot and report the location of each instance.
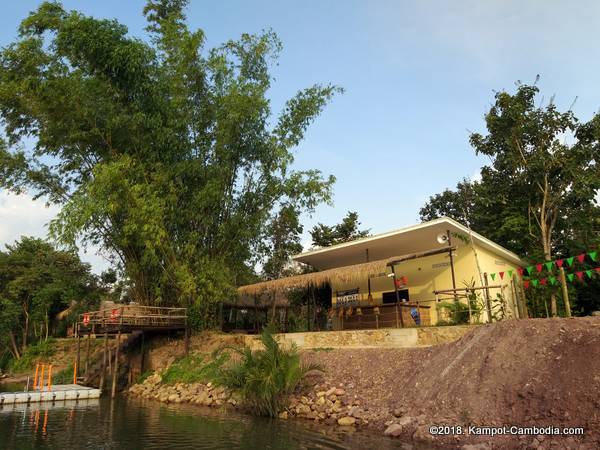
(515, 297)
(41, 383)
(397, 324)
(49, 386)
(565, 292)
(488, 303)
(452, 266)
(35, 377)
(116, 369)
(468, 303)
(78, 363)
(143, 354)
(104, 361)
(397, 298)
(87, 354)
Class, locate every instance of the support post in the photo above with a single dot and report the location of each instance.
(49, 386)
(452, 266)
(41, 383)
(488, 303)
(515, 299)
(397, 324)
(78, 363)
(104, 362)
(397, 295)
(116, 366)
(565, 292)
(87, 354)
(143, 352)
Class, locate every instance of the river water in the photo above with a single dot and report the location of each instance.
(129, 423)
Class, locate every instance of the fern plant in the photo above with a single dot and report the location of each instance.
(265, 378)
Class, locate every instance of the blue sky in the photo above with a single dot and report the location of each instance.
(418, 76)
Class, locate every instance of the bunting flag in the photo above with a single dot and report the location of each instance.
(581, 258)
(510, 273)
(526, 284)
(501, 275)
(559, 262)
(579, 275)
(593, 255)
(570, 276)
(520, 270)
(589, 273)
(543, 282)
(597, 269)
(552, 281)
(535, 282)
(570, 260)
(529, 269)
(538, 267)
(549, 266)
(493, 275)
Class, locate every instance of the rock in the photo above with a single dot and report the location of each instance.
(596, 313)
(339, 392)
(321, 401)
(283, 415)
(304, 400)
(172, 397)
(321, 394)
(393, 430)
(397, 412)
(346, 421)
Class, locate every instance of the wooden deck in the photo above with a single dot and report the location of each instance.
(129, 318)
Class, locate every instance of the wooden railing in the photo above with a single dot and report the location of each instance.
(133, 317)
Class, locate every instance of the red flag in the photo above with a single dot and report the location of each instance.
(520, 270)
(597, 269)
(559, 262)
(543, 282)
(526, 284)
(581, 258)
(579, 275)
(501, 275)
(539, 267)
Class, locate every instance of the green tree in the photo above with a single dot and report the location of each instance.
(161, 151)
(348, 230)
(537, 197)
(36, 283)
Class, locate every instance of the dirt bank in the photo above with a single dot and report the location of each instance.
(530, 373)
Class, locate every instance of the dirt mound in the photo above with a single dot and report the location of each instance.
(540, 372)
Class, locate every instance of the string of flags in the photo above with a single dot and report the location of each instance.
(548, 267)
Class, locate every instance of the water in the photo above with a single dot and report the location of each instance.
(127, 423)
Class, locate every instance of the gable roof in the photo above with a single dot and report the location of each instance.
(413, 239)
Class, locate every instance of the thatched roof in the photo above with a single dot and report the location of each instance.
(347, 274)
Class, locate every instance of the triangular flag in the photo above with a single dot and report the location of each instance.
(510, 273)
(597, 269)
(552, 281)
(520, 270)
(588, 273)
(570, 276)
(493, 275)
(593, 255)
(534, 282)
(538, 267)
(570, 260)
(579, 275)
(549, 265)
(529, 269)
(526, 284)
(559, 262)
(501, 275)
(543, 282)
(581, 258)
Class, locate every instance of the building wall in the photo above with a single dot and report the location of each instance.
(426, 275)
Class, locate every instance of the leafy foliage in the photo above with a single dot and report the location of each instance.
(326, 236)
(264, 378)
(39, 351)
(193, 369)
(161, 151)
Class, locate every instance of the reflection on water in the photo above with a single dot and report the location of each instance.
(132, 423)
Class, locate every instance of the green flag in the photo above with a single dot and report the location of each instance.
(510, 273)
(570, 260)
(588, 273)
(535, 282)
(549, 265)
(570, 276)
(593, 255)
(552, 281)
(529, 269)
(493, 275)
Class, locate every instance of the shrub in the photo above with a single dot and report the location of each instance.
(34, 353)
(265, 378)
(65, 376)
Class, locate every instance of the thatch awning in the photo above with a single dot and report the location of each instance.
(347, 274)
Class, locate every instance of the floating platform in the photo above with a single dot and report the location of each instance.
(58, 392)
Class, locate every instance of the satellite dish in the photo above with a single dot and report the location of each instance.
(442, 238)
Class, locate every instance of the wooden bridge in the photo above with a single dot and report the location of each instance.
(135, 321)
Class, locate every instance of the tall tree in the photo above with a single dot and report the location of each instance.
(160, 150)
(347, 230)
(538, 195)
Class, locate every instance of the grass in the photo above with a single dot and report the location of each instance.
(65, 376)
(265, 378)
(33, 354)
(194, 369)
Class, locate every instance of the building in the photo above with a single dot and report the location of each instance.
(419, 275)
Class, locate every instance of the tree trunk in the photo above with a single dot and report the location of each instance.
(14, 345)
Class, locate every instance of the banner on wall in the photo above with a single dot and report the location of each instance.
(347, 298)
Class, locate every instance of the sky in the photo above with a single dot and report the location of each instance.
(418, 78)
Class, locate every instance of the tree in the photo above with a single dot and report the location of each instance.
(160, 151)
(283, 241)
(37, 282)
(326, 236)
(538, 195)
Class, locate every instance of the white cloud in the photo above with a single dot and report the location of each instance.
(21, 215)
